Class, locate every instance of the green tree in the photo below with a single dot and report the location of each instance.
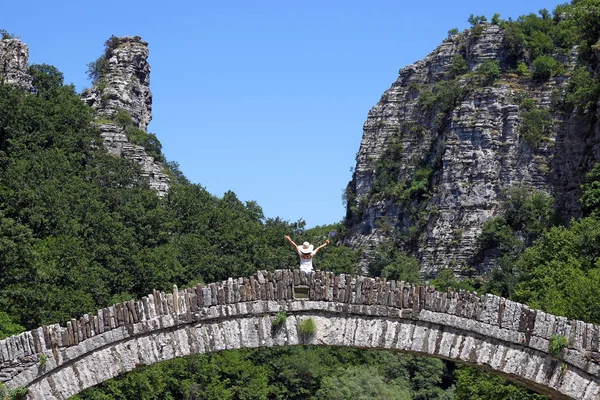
(472, 384)
(458, 66)
(591, 192)
(6, 35)
(559, 274)
(452, 32)
(585, 17)
(539, 44)
(392, 263)
(545, 67)
(98, 68)
(583, 90)
(9, 326)
(446, 279)
(522, 69)
(536, 125)
(476, 19)
(514, 43)
(489, 70)
(361, 383)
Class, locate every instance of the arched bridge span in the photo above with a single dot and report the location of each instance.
(487, 331)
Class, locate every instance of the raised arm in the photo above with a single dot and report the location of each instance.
(289, 239)
(321, 246)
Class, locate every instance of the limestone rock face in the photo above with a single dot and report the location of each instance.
(115, 142)
(14, 63)
(125, 85)
(474, 151)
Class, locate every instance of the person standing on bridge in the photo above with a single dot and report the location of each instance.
(306, 253)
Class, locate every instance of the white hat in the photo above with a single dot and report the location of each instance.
(307, 248)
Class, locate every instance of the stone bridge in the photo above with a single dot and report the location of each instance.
(488, 332)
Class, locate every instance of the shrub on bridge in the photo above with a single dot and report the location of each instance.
(279, 319)
(557, 344)
(307, 328)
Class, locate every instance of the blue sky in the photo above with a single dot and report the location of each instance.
(265, 98)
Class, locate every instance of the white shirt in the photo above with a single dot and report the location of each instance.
(306, 263)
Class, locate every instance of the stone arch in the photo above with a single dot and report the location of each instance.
(484, 331)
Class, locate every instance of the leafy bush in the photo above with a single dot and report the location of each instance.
(497, 233)
(583, 90)
(489, 70)
(43, 360)
(545, 67)
(137, 136)
(388, 167)
(557, 344)
(426, 100)
(477, 26)
(99, 67)
(446, 279)
(361, 383)
(532, 36)
(5, 35)
(539, 44)
(476, 31)
(452, 32)
(147, 140)
(307, 327)
(387, 183)
(393, 263)
(279, 319)
(528, 211)
(522, 69)
(591, 192)
(585, 14)
(458, 66)
(46, 80)
(448, 95)
(419, 185)
(536, 125)
(18, 393)
(513, 43)
(559, 273)
(8, 324)
(123, 118)
(476, 19)
(475, 384)
(527, 215)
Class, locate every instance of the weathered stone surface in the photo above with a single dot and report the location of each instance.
(126, 83)
(14, 63)
(126, 86)
(486, 332)
(480, 154)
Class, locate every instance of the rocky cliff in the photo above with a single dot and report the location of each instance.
(445, 142)
(14, 63)
(124, 85)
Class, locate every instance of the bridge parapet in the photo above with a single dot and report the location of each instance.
(487, 317)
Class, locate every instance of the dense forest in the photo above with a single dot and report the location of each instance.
(80, 230)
